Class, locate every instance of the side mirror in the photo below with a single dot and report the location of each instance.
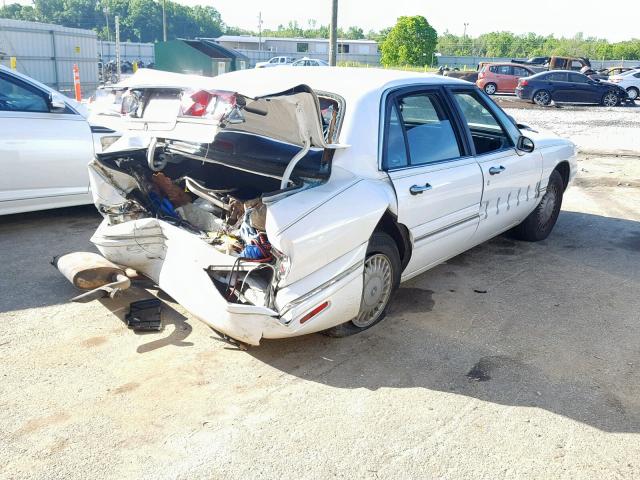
(525, 144)
(57, 102)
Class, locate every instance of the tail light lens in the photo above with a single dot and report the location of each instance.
(523, 82)
(211, 104)
(481, 74)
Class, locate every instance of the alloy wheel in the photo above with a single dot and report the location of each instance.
(610, 100)
(633, 93)
(542, 98)
(547, 207)
(378, 284)
(490, 88)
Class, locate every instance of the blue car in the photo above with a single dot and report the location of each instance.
(570, 87)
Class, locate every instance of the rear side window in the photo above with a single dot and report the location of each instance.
(16, 96)
(486, 131)
(420, 132)
(556, 77)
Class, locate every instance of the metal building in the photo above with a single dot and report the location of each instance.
(48, 52)
(199, 57)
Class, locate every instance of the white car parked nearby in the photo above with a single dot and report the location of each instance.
(275, 62)
(630, 81)
(309, 62)
(45, 146)
(296, 200)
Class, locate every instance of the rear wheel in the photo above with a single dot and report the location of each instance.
(542, 97)
(610, 99)
(633, 93)
(490, 88)
(538, 225)
(381, 278)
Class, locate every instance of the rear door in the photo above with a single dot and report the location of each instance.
(559, 86)
(438, 183)
(511, 178)
(43, 154)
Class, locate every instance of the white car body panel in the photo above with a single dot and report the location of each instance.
(324, 229)
(627, 80)
(44, 155)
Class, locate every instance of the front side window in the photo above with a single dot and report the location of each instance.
(504, 70)
(577, 78)
(18, 97)
(486, 131)
(420, 132)
(520, 72)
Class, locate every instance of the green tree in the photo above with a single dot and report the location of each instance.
(412, 41)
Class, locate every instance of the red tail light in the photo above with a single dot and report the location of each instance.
(482, 74)
(213, 104)
(523, 82)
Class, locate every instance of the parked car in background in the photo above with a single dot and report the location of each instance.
(293, 201)
(630, 81)
(45, 146)
(568, 63)
(309, 62)
(568, 86)
(538, 61)
(275, 62)
(501, 77)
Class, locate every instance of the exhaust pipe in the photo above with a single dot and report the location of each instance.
(92, 272)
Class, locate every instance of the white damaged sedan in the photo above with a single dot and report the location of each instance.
(281, 202)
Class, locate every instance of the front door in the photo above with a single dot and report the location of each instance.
(438, 184)
(511, 178)
(43, 154)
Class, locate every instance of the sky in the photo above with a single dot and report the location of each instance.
(558, 17)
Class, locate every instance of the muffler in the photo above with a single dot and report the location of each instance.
(92, 272)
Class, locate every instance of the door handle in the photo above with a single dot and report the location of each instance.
(496, 170)
(418, 189)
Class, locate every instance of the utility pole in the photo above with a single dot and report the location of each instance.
(259, 31)
(117, 48)
(333, 33)
(106, 20)
(164, 21)
(464, 35)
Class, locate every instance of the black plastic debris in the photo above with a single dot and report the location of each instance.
(145, 315)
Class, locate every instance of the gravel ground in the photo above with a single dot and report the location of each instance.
(595, 129)
(513, 360)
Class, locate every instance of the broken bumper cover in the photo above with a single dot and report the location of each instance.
(177, 261)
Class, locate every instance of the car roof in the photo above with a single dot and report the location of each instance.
(349, 82)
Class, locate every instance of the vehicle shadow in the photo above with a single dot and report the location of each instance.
(28, 242)
(552, 325)
(173, 322)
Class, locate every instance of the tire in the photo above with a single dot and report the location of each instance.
(382, 269)
(610, 99)
(491, 89)
(633, 93)
(542, 98)
(538, 225)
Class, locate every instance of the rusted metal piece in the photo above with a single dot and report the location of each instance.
(92, 272)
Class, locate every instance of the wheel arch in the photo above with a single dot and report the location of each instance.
(399, 233)
(564, 169)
